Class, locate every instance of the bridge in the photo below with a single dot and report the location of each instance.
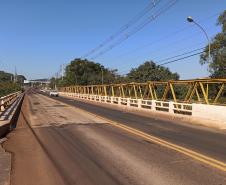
(40, 81)
(170, 132)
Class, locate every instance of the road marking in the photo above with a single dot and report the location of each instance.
(195, 155)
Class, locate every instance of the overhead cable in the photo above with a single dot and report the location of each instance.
(151, 18)
(131, 22)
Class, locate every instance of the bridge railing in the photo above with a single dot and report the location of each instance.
(206, 91)
(162, 106)
(7, 100)
(9, 111)
(213, 114)
(203, 98)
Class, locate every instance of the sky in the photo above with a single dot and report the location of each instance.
(38, 36)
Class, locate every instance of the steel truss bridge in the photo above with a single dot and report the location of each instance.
(207, 91)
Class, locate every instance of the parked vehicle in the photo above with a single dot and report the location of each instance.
(54, 93)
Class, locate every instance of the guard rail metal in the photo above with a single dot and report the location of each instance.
(9, 111)
(7, 100)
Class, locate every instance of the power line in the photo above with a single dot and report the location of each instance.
(178, 59)
(173, 43)
(198, 53)
(182, 58)
(125, 27)
(180, 55)
(172, 34)
(138, 28)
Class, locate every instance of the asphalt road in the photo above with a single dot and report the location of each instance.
(55, 143)
(210, 142)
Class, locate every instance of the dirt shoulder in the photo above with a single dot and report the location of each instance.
(21, 142)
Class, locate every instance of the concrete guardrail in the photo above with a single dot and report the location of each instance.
(9, 111)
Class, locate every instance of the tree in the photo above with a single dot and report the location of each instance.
(217, 65)
(20, 79)
(6, 77)
(7, 84)
(84, 72)
(149, 71)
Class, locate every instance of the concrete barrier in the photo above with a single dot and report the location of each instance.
(213, 113)
(9, 116)
(210, 115)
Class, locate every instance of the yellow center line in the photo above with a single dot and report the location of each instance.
(195, 155)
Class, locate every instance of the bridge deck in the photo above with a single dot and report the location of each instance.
(55, 143)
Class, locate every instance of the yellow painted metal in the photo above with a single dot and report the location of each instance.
(204, 93)
(219, 93)
(151, 92)
(166, 92)
(135, 91)
(140, 91)
(188, 91)
(197, 94)
(173, 93)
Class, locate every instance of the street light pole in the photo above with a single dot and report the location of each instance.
(190, 19)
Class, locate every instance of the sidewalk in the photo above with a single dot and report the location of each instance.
(5, 165)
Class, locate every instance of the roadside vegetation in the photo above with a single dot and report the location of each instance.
(217, 63)
(7, 84)
(85, 72)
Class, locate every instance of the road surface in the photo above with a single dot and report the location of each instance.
(57, 143)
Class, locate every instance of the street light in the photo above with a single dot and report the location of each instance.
(190, 19)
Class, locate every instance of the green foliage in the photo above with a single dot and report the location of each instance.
(53, 82)
(20, 79)
(6, 84)
(217, 65)
(149, 71)
(8, 77)
(84, 72)
(5, 77)
(8, 87)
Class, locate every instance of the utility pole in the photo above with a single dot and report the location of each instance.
(62, 71)
(56, 77)
(15, 76)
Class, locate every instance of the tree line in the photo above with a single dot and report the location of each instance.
(85, 72)
(7, 83)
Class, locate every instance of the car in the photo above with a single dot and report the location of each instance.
(42, 90)
(54, 93)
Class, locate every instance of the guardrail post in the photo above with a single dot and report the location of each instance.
(119, 100)
(171, 107)
(128, 102)
(2, 105)
(139, 103)
(153, 105)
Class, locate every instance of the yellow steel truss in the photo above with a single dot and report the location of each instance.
(208, 91)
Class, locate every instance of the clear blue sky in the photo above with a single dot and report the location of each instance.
(37, 36)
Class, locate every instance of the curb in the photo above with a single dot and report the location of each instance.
(5, 127)
(5, 165)
(10, 123)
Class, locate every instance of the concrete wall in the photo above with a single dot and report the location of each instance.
(213, 113)
(9, 118)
